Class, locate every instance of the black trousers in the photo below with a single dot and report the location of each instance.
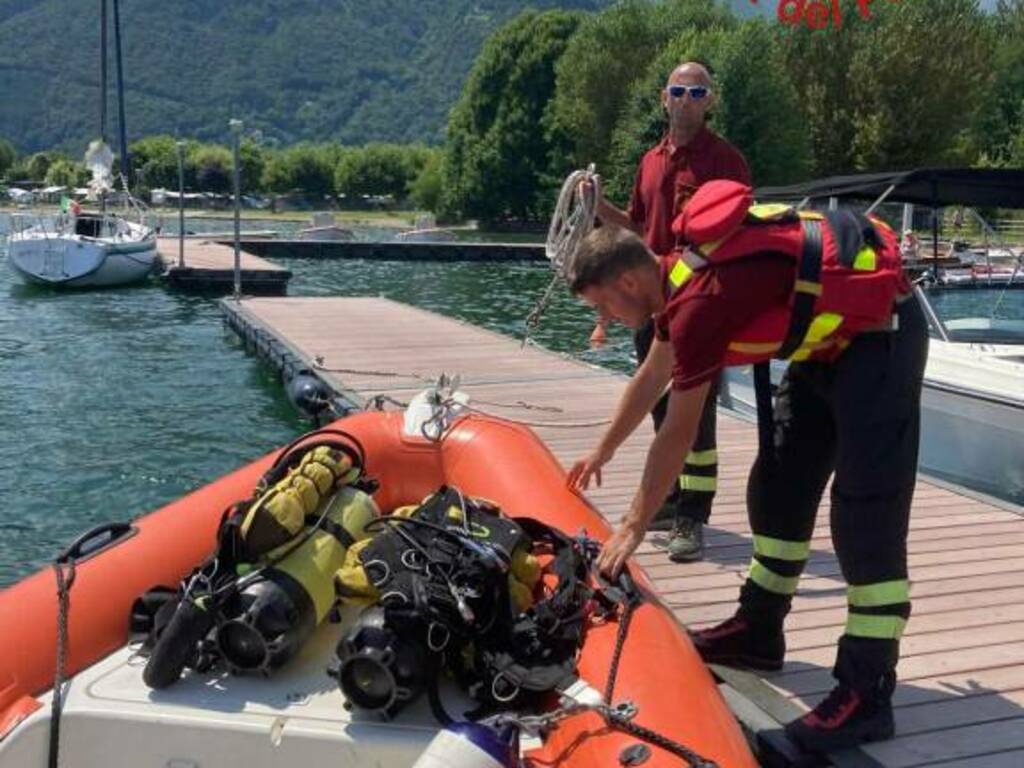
(695, 491)
(858, 418)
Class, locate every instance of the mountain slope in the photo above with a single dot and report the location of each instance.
(350, 70)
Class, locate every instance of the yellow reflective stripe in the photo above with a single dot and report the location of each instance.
(882, 593)
(806, 286)
(821, 326)
(703, 458)
(680, 273)
(812, 215)
(766, 211)
(866, 259)
(878, 627)
(754, 347)
(697, 483)
(780, 549)
(773, 582)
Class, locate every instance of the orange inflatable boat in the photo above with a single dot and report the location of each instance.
(111, 718)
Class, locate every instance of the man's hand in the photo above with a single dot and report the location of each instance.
(587, 467)
(618, 549)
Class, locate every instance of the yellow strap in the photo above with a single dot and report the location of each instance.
(754, 347)
(866, 259)
(769, 211)
(882, 593)
(806, 286)
(877, 627)
(703, 458)
(812, 215)
(780, 549)
(773, 582)
(697, 483)
(679, 274)
(822, 326)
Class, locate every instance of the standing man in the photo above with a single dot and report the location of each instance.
(689, 155)
(827, 292)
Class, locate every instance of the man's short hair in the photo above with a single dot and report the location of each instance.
(605, 254)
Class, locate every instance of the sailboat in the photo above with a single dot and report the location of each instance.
(104, 248)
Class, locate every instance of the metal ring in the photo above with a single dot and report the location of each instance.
(494, 688)
(384, 578)
(394, 593)
(410, 561)
(437, 647)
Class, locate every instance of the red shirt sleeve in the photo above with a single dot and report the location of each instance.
(637, 212)
(733, 166)
(714, 307)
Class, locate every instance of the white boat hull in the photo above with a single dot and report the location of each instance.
(972, 414)
(73, 261)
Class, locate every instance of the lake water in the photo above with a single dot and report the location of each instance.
(116, 402)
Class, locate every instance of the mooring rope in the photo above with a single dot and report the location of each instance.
(571, 221)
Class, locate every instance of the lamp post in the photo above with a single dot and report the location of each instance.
(236, 133)
(180, 146)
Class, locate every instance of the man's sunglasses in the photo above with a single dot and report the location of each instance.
(697, 92)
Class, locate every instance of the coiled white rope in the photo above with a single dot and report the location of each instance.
(571, 221)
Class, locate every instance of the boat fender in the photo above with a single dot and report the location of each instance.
(471, 745)
(307, 393)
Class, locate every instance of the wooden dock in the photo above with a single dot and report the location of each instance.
(960, 699)
(280, 248)
(210, 268)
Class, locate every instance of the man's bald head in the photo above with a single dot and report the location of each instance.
(690, 73)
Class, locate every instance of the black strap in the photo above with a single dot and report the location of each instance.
(851, 231)
(339, 532)
(765, 416)
(808, 288)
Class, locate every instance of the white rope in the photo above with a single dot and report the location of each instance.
(571, 221)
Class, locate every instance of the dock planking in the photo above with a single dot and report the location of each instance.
(395, 250)
(960, 699)
(210, 268)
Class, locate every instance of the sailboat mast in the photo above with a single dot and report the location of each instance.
(120, 94)
(103, 71)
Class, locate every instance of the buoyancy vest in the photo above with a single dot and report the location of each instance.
(463, 579)
(848, 270)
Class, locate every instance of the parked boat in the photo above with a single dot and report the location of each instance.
(76, 250)
(298, 714)
(83, 251)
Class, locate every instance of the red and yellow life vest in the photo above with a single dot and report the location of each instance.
(849, 270)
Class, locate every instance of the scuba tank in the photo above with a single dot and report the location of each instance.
(275, 612)
(270, 582)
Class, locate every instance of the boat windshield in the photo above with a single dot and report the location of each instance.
(978, 316)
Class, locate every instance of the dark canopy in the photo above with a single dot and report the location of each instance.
(931, 187)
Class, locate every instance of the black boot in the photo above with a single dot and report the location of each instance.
(739, 642)
(847, 717)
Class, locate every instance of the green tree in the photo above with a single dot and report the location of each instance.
(757, 106)
(212, 165)
(379, 169)
(496, 154)
(427, 189)
(607, 55)
(155, 160)
(38, 164)
(880, 93)
(252, 158)
(305, 167)
(7, 156)
(1001, 117)
(66, 173)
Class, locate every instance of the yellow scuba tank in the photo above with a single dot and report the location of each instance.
(277, 607)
